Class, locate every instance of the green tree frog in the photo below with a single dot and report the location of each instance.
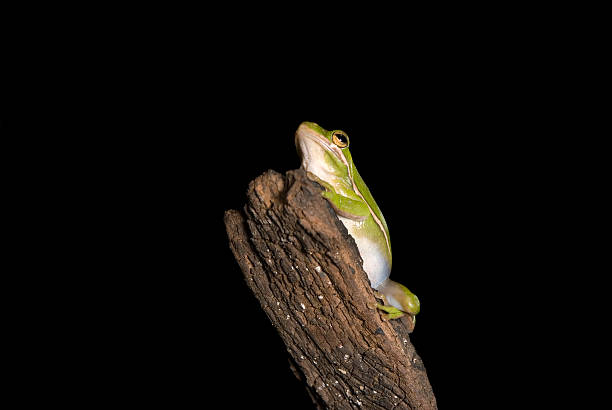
(327, 160)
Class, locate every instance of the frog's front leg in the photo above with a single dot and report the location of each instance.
(344, 206)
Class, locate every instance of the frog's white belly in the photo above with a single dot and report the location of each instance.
(375, 262)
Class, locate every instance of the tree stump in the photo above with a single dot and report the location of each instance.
(305, 270)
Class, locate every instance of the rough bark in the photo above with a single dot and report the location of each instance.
(306, 272)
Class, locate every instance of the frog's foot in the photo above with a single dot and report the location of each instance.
(395, 313)
(398, 295)
(392, 312)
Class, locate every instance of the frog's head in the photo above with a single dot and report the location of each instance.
(324, 153)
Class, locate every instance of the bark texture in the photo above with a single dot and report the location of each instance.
(305, 270)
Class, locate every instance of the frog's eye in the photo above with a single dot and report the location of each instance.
(340, 139)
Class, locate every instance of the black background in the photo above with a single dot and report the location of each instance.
(463, 153)
(127, 132)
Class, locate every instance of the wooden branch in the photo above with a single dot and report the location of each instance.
(305, 270)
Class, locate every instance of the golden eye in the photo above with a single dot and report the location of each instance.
(340, 139)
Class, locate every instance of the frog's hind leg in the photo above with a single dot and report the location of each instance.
(392, 311)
